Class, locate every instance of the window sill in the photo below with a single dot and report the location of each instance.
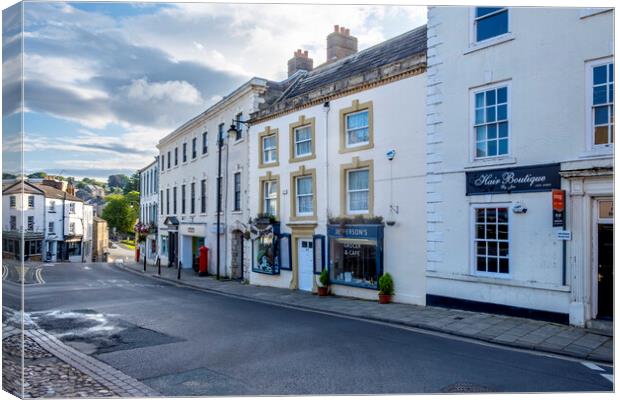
(598, 152)
(237, 212)
(473, 47)
(490, 162)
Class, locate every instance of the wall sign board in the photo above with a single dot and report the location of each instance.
(535, 178)
(557, 200)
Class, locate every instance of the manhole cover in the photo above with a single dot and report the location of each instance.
(465, 388)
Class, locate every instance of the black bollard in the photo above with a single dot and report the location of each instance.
(158, 266)
(179, 270)
(145, 263)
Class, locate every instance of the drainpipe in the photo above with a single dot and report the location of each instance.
(326, 109)
(62, 250)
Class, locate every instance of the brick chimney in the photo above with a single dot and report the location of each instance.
(340, 44)
(71, 189)
(300, 61)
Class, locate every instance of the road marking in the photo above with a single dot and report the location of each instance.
(87, 267)
(609, 377)
(39, 275)
(592, 366)
(5, 272)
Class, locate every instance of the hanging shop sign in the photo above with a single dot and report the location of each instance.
(536, 178)
(557, 198)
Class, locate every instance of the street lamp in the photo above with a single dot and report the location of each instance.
(232, 131)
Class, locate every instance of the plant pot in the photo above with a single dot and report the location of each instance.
(385, 298)
(323, 291)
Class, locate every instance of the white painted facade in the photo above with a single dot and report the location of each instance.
(149, 208)
(544, 61)
(200, 227)
(398, 122)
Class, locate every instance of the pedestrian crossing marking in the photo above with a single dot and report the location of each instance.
(609, 377)
(592, 366)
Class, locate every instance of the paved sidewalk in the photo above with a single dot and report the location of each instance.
(511, 331)
(53, 369)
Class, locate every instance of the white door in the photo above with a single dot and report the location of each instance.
(304, 261)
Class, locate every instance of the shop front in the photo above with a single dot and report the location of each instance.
(355, 255)
(192, 238)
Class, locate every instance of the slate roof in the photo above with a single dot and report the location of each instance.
(53, 193)
(21, 187)
(385, 53)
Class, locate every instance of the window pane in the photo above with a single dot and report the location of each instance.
(358, 136)
(358, 180)
(502, 215)
(490, 114)
(490, 97)
(358, 201)
(600, 115)
(502, 112)
(503, 129)
(358, 120)
(491, 215)
(304, 186)
(611, 72)
(599, 95)
(305, 204)
(492, 248)
(502, 95)
(481, 149)
(502, 232)
(491, 231)
(492, 26)
(481, 11)
(480, 133)
(611, 93)
(481, 264)
(601, 135)
(503, 147)
(503, 249)
(480, 231)
(302, 134)
(303, 148)
(492, 264)
(480, 116)
(492, 148)
(503, 265)
(481, 248)
(479, 100)
(599, 74)
(480, 215)
(492, 131)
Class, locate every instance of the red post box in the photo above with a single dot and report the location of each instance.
(203, 260)
(137, 253)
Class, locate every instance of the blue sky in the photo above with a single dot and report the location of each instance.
(105, 81)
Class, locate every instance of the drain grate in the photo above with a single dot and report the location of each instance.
(465, 388)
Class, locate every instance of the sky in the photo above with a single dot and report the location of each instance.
(104, 82)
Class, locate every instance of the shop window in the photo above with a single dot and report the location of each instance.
(491, 240)
(490, 22)
(355, 255)
(271, 251)
(491, 122)
(32, 247)
(74, 249)
(164, 244)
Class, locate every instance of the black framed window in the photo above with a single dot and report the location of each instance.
(182, 199)
(203, 196)
(194, 145)
(163, 166)
(184, 152)
(162, 201)
(237, 198)
(192, 201)
(238, 126)
(176, 156)
(168, 159)
(167, 201)
(205, 143)
(174, 200)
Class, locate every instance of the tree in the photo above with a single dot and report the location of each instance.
(39, 175)
(6, 175)
(133, 183)
(121, 212)
(118, 180)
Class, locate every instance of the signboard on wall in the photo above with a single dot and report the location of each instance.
(557, 199)
(536, 178)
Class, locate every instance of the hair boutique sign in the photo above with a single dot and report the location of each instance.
(537, 178)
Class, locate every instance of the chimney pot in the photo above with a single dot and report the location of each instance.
(336, 28)
(300, 61)
(340, 44)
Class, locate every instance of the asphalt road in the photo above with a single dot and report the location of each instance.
(182, 341)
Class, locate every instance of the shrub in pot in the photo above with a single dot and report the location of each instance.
(324, 280)
(386, 288)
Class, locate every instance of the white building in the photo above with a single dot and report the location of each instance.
(149, 209)
(188, 164)
(344, 141)
(57, 226)
(519, 104)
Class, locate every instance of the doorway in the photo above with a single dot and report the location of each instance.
(604, 260)
(305, 264)
(172, 249)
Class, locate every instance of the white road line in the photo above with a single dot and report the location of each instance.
(5, 272)
(592, 366)
(609, 377)
(39, 275)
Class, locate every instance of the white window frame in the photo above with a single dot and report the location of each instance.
(492, 40)
(309, 140)
(71, 208)
(235, 175)
(590, 146)
(472, 120)
(50, 227)
(12, 201)
(72, 228)
(472, 241)
(13, 222)
(30, 223)
(33, 200)
(297, 196)
(267, 197)
(270, 149)
(367, 190)
(52, 206)
(346, 129)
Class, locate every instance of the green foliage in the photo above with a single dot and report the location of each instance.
(386, 284)
(39, 175)
(120, 212)
(6, 175)
(356, 220)
(117, 181)
(132, 184)
(324, 278)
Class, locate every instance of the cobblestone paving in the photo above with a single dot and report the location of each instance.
(53, 369)
(505, 330)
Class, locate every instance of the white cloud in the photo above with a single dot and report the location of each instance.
(175, 91)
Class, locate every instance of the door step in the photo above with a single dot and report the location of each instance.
(601, 326)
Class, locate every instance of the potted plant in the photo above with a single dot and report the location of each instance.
(386, 288)
(324, 280)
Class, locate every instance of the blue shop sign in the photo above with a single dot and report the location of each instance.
(536, 178)
(355, 254)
